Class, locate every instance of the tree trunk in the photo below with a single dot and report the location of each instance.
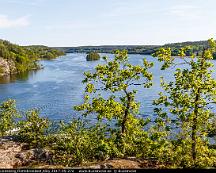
(125, 117)
(194, 126)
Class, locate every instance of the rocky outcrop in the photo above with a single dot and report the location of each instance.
(8, 150)
(12, 67)
(127, 163)
(14, 154)
(7, 67)
(19, 155)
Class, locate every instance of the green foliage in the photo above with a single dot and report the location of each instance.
(178, 136)
(43, 52)
(186, 123)
(33, 129)
(92, 56)
(8, 114)
(25, 58)
(116, 78)
(77, 143)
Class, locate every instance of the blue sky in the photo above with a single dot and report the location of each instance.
(106, 22)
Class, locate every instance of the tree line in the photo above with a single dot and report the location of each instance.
(194, 47)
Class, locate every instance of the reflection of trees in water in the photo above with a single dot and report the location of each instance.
(5, 79)
(20, 77)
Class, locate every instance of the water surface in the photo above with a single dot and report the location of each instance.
(58, 87)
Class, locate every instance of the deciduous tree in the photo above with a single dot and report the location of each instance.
(187, 100)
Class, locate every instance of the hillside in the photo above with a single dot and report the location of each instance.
(17, 59)
(195, 47)
(132, 49)
(44, 52)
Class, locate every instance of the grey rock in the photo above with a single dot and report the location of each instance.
(7, 67)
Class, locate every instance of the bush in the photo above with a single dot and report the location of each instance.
(92, 56)
(8, 114)
(33, 129)
(77, 143)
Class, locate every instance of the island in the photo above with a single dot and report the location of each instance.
(92, 56)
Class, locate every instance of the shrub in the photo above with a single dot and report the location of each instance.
(33, 129)
(8, 114)
(77, 143)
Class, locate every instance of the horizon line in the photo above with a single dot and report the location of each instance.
(119, 44)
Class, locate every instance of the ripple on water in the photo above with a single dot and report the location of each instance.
(55, 89)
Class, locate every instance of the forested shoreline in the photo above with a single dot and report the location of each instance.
(17, 59)
(194, 47)
(178, 136)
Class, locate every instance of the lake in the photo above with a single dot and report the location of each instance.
(56, 88)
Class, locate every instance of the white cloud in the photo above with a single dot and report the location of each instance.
(6, 22)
